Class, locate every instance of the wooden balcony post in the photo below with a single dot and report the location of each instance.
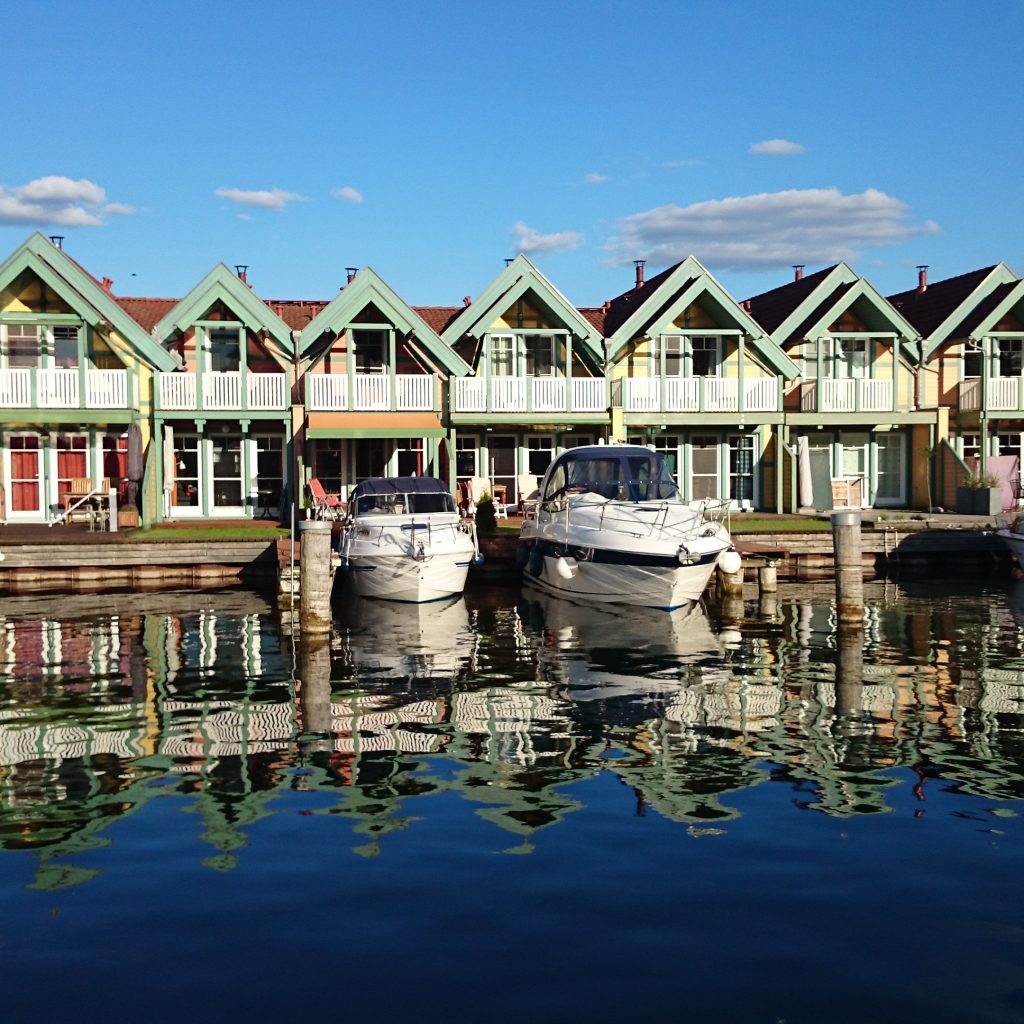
(740, 397)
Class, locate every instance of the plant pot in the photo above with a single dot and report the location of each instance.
(979, 501)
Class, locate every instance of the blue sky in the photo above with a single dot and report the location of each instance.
(433, 140)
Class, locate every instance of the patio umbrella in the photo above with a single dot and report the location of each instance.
(134, 452)
(806, 496)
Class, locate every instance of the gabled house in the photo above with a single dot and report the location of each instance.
(75, 378)
(224, 416)
(972, 329)
(536, 384)
(856, 402)
(374, 388)
(696, 376)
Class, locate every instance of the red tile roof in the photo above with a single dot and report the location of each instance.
(438, 317)
(771, 308)
(147, 313)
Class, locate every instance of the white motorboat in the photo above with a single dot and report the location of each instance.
(403, 540)
(611, 527)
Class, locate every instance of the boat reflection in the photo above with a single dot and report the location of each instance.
(503, 704)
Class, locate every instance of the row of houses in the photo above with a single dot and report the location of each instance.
(223, 404)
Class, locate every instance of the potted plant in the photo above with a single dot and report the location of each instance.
(979, 495)
(485, 518)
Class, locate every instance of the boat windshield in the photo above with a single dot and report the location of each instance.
(403, 504)
(634, 477)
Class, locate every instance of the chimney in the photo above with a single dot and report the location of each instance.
(466, 300)
(242, 270)
(106, 284)
(922, 279)
(639, 264)
(607, 305)
(58, 241)
(798, 271)
(350, 274)
(509, 259)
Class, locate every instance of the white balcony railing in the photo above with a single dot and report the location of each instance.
(699, 394)
(1003, 394)
(30, 388)
(530, 394)
(223, 391)
(829, 395)
(371, 392)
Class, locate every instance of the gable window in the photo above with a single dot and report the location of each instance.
(851, 358)
(1008, 356)
(706, 356)
(540, 355)
(23, 347)
(972, 360)
(371, 351)
(503, 355)
(65, 347)
(224, 350)
(672, 346)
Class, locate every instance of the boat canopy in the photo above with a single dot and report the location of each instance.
(401, 494)
(622, 474)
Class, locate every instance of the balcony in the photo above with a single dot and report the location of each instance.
(217, 392)
(32, 388)
(699, 394)
(829, 395)
(1003, 394)
(371, 392)
(531, 394)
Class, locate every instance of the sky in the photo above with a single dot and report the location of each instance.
(434, 140)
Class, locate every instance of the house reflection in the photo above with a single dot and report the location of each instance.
(508, 707)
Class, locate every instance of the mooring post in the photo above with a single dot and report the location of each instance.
(315, 579)
(849, 669)
(849, 567)
(730, 584)
(768, 578)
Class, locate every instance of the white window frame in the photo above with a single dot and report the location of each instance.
(716, 347)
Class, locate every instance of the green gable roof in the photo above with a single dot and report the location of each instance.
(516, 280)
(221, 285)
(679, 288)
(368, 288)
(83, 294)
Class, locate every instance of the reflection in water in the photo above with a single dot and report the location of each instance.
(498, 701)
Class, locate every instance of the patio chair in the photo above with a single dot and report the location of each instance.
(529, 492)
(325, 506)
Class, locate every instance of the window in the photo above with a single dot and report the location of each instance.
(226, 470)
(972, 360)
(705, 356)
(65, 347)
(502, 355)
(741, 468)
(329, 464)
(1008, 354)
(970, 447)
(851, 358)
(411, 459)
(540, 355)
(465, 457)
(673, 346)
(371, 458)
(186, 474)
(23, 348)
(540, 452)
(72, 460)
(668, 448)
(224, 350)
(371, 351)
(269, 470)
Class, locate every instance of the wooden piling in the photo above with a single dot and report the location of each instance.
(730, 584)
(768, 578)
(315, 578)
(848, 566)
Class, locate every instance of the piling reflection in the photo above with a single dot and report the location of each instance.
(499, 700)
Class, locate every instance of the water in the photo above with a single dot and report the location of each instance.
(505, 810)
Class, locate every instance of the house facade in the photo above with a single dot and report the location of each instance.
(223, 405)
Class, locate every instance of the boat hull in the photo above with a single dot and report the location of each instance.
(619, 579)
(402, 577)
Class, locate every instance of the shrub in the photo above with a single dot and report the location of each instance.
(485, 521)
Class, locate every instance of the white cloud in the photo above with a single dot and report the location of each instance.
(673, 164)
(768, 230)
(268, 199)
(349, 194)
(529, 240)
(594, 178)
(118, 209)
(56, 200)
(776, 147)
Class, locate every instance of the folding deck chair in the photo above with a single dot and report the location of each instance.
(325, 506)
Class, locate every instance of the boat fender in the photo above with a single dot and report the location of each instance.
(522, 554)
(730, 562)
(535, 566)
(478, 559)
(566, 567)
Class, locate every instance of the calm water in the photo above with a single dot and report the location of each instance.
(504, 810)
